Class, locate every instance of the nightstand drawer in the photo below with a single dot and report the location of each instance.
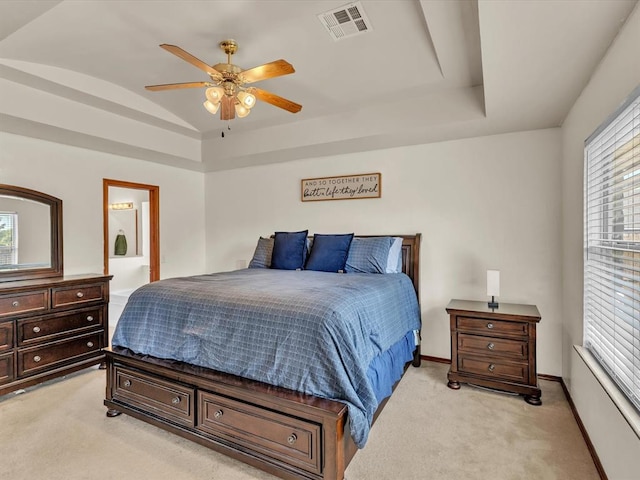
(516, 372)
(515, 349)
(487, 326)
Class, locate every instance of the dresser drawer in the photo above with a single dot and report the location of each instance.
(77, 295)
(170, 401)
(6, 336)
(6, 367)
(516, 349)
(21, 303)
(51, 327)
(32, 360)
(491, 327)
(278, 436)
(494, 368)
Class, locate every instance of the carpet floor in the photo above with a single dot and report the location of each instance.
(59, 430)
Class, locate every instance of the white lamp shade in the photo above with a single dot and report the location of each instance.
(214, 94)
(493, 283)
(241, 111)
(211, 107)
(246, 99)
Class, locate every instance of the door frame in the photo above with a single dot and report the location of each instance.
(154, 223)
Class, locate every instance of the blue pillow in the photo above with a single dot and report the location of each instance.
(329, 252)
(262, 255)
(368, 255)
(289, 250)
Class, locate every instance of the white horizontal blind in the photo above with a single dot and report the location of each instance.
(612, 247)
(8, 238)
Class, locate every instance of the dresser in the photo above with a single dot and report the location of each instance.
(494, 347)
(51, 327)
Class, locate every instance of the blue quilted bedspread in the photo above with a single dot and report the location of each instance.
(313, 332)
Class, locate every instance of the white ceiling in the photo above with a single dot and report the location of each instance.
(429, 70)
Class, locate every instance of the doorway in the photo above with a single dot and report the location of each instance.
(136, 219)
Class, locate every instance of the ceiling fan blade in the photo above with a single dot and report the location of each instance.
(227, 108)
(196, 62)
(268, 70)
(276, 100)
(172, 86)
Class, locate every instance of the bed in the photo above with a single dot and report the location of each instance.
(228, 381)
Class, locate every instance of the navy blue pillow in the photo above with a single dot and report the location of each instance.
(289, 250)
(329, 252)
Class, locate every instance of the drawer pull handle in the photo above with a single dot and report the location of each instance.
(79, 294)
(127, 383)
(36, 329)
(89, 344)
(292, 439)
(89, 318)
(218, 414)
(15, 304)
(491, 346)
(489, 326)
(492, 367)
(37, 358)
(175, 400)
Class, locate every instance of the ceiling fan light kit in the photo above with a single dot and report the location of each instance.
(226, 92)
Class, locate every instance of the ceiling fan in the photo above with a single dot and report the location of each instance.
(226, 91)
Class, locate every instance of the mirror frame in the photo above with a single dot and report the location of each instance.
(55, 210)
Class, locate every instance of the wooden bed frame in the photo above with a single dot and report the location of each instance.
(283, 432)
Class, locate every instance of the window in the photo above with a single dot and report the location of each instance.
(8, 239)
(612, 247)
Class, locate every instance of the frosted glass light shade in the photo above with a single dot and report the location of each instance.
(241, 111)
(214, 94)
(247, 100)
(211, 107)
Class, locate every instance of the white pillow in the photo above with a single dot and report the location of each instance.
(394, 260)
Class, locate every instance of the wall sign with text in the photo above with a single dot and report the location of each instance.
(366, 185)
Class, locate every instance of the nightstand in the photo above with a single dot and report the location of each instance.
(494, 347)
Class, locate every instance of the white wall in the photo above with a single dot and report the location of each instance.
(75, 176)
(484, 203)
(617, 75)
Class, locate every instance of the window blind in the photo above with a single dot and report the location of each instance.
(612, 246)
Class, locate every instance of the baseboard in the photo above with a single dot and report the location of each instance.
(553, 378)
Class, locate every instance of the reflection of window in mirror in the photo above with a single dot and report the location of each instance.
(8, 239)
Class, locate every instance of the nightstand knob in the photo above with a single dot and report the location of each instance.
(292, 439)
(175, 400)
(218, 414)
(36, 359)
(89, 318)
(492, 367)
(89, 344)
(491, 346)
(79, 294)
(127, 383)
(36, 329)
(489, 326)
(15, 304)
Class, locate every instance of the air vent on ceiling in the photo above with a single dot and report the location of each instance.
(346, 21)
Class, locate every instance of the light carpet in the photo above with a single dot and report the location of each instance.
(59, 430)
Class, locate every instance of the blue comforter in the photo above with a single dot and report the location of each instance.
(313, 332)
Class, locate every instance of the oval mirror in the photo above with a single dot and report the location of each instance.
(30, 234)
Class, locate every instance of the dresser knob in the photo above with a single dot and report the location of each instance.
(37, 358)
(292, 439)
(79, 294)
(36, 329)
(89, 318)
(175, 400)
(218, 414)
(491, 346)
(492, 367)
(89, 344)
(127, 383)
(489, 326)
(15, 304)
